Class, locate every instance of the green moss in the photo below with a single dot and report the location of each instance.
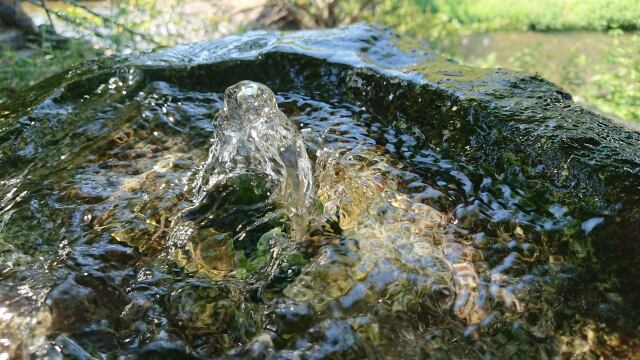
(610, 83)
(250, 190)
(440, 70)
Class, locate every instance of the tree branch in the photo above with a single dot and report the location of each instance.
(105, 19)
(46, 9)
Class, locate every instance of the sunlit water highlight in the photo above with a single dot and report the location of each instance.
(256, 143)
(164, 233)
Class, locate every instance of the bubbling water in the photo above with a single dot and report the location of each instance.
(254, 140)
(141, 245)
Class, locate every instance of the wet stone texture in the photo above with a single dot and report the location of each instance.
(402, 206)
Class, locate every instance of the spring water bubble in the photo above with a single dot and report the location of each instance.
(254, 139)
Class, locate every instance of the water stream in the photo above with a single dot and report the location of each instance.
(256, 143)
(160, 218)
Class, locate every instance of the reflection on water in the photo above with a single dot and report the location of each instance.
(161, 233)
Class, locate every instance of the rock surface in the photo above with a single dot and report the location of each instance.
(97, 160)
(500, 120)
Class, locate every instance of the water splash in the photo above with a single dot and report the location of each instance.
(255, 142)
(423, 254)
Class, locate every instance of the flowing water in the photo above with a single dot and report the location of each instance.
(256, 140)
(168, 221)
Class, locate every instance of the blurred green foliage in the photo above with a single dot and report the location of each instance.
(421, 17)
(542, 14)
(128, 27)
(19, 71)
(610, 83)
(615, 87)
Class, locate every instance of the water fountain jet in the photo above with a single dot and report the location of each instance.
(254, 140)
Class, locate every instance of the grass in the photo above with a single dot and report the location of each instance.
(22, 69)
(610, 84)
(616, 89)
(543, 14)
(133, 25)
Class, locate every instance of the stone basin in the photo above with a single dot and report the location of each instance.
(97, 160)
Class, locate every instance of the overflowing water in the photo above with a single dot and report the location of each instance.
(161, 219)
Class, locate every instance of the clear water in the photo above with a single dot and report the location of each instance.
(256, 144)
(151, 230)
(144, 213)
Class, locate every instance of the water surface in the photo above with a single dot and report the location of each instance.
(107, 247)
